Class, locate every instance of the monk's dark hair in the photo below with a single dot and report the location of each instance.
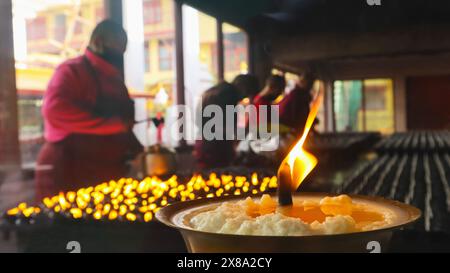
(276, 81)
(310, 76)
(107, 29)
(221, 94)
(247, 84)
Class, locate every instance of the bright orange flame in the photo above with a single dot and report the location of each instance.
(300, 162)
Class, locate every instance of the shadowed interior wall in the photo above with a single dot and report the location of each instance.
(427, 99)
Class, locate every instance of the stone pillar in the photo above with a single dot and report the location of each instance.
(400, 103)
(9, 136)
(261, 62)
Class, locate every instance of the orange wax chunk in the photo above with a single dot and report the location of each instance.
(266, 206)
(252, 209)
(338, 205)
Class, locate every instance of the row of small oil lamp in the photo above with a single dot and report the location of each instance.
(131, 200)
(416, 141)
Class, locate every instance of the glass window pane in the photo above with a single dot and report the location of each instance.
(235, 46)
(366, 105)
(59, 26)
(46, 33)
(165, 54)
(379, 105)
(152, 11)
(200, 55)
(319, 86)
(159, 65)
(348, 106)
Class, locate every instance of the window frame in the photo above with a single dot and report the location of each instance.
(147, 61)
(166, 44)
(152, 11)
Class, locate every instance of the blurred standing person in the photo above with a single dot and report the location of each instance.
(88, 117)
(248, 86)
(275, 86)
(217, 153)
(294, 108)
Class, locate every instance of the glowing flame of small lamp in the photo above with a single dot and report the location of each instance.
(131, 200)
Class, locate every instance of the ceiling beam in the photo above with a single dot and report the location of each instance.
(328, 46)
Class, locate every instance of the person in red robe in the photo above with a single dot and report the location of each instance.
(275, 86)
(248, 87)
(294, 108)
(88, 117)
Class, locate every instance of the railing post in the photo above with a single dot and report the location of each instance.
(179, 58)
